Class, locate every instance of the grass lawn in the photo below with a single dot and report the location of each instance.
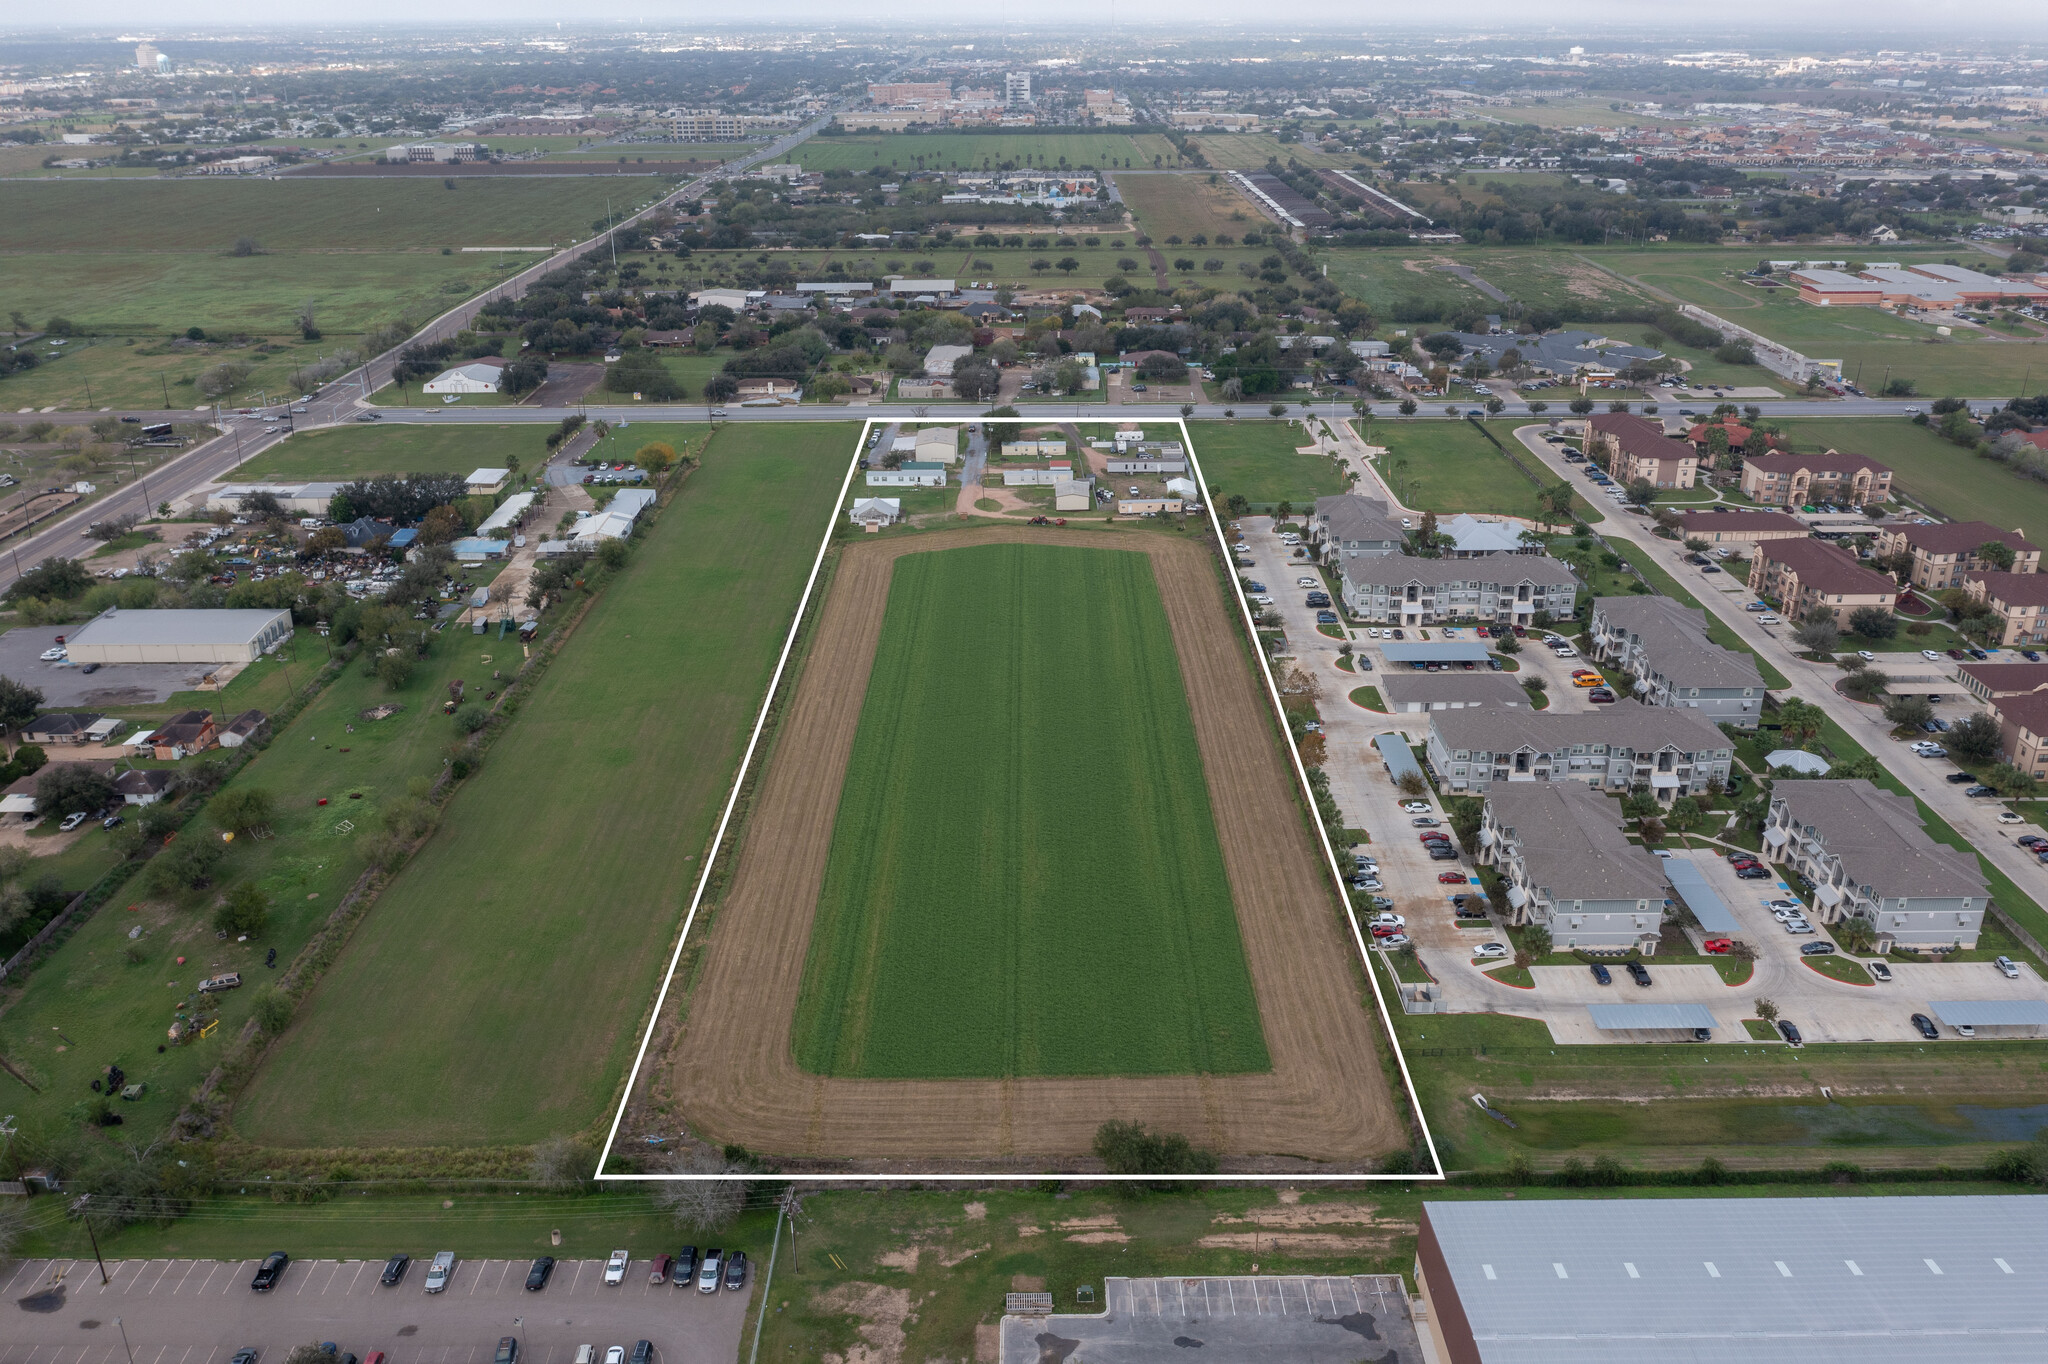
(1840, 968)
(1447, 467)
(1382, 276)
(115, 1009)
(1552, 279)
(306, 214)
(1939, 476)
(981, 151)
(513, 915)
(952, 956)
(358, 451)
(127, 372)
(1251, 151)
(1369, 697)
(1260, 459)
(1183, 205)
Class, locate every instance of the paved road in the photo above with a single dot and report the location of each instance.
(201, 1311)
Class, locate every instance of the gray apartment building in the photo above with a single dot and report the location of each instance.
(1568, 866)
(1348, 525)
(1867, 854)
(1507, 588)
(1670, 753)
(1664, 646)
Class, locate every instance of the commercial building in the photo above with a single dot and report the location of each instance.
(1740, 528)
(1347, 525)
(1866, 854)
(706, 126)
(1073, 494)
(443, 152)
(2018, 602)
(1571, 869)
(1804, 576)
(1919, 287)
(122, 636)
(1781, 478)
(1734, 1280)
(910, 92)
(1632, 448)
(1673, 753)
(1406, 590)
(475, 376)
(937, 443)
(306, 499)
(1413, 692)
(1560, 354)
(1017, 89)
(1664, 646)
(486, 482)
(1944, 552)
(918, 288)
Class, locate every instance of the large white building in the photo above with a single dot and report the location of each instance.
(478, 376)
(118, 636)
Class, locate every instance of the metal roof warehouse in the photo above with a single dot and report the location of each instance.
(1737, 1280)
(117, 636)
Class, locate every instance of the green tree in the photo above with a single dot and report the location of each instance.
(19, 704)
(1865, 684)
(1766, 1009)
(1581, 406)
(1685, 812)
(1800, 722)
(1975, 737)
(2010, 781)
(242, 808)
(245, 909)
(1641, 491)
(1874, 622)
(1908, 710)
(65, 788)
(1997, 553)
(395, 669)
(1818, 633)
(1126, 1148)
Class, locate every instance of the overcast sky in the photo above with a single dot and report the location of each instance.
(1837, 22)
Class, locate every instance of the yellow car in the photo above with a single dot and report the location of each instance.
(1588, 680)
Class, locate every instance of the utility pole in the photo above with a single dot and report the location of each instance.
(80, 1207)
(167, 389)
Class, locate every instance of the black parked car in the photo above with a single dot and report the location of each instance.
(643, 1352)
(394, 1270)
(1926, 1027)
(508, 1350)
(537, 1277)
(736, 1270)
(270, 1271)
(1602, 974)
(685, 1267)
(1958, 778)
(1639, 973)
(1789, 1031)
(245, 1355)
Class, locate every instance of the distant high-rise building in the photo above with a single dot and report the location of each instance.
(147, 58)
(1017, 89)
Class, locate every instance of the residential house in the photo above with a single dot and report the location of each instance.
(1034, 449)
(144, 785)
(66, 728)
(1617, 748)
(1570, 869)
(1944, 552)
(1406, 590)
(249, 725)
(1664, 646)
(910, 474)
(1347, 525)
(1147, 506)
(1784, 479)
(1740, 528)
(1408, 693)
(1633, 447)
(1867, 854)
(1804, 576)
(188, 732)
(873, 513)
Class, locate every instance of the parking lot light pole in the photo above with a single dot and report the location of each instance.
(124, 1341)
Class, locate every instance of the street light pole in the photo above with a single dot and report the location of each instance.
(124, 1341)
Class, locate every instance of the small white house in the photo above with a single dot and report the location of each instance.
(477, 376)
(486, 482)
(876, 512)
(910, 474)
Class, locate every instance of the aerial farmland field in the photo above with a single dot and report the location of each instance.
(1025, 700)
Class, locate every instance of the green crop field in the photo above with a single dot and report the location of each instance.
(1024, 840)
(1259, 459)
(346, 452)
(1183, 205)
(496, 991)
(1943, 477)
(982, 151)
(1448, 467)
(97, 218)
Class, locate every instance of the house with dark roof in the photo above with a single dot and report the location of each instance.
(1784, 479)
(250, 724)
(1868, 856)
(1413, 692)
(1347, 525)
(1804, 576)
(1944, 552)
(144, 785)
(185, 733)
(1569, 868)
(1664, 646)
(1632, 447)
(68, 728)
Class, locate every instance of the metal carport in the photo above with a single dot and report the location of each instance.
(1435, 651)
(1991, 1013)
(1624, 1017)
(1702, 899)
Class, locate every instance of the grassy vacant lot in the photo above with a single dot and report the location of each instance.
(1182, 205)
(301, 214)
(1259, 459)
(496, 992)
(1025, 701)
(347, 452)
(114, 1008)
(1943, 477)
(1870, 343)
(1251, 151)
(982, 151)
(1447, 467)
(127, 371)
(1383, 276)
(1556, 280)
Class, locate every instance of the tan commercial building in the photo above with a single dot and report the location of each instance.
(2018, 602)
(1635, 447)
(1784, 479)
(1742, 528)
(1943, 553)
(119, 636)
(1804, 576)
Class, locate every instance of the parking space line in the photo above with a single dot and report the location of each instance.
(577, 1277)
(503, 1273)
(360, 1264)
(161, 1274)
(19, 1270)
(228, 1284)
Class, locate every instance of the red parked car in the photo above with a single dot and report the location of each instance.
(1385, 930)
(1450, 878)
(1718, 945)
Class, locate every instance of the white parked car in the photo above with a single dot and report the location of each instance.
(53, 655)
(1371, 883)
(1263, 600)
(1384, 919)
(1797, 926)
(2008, 817)
(1415, 807)
(1306, 582)
(615, 1268)
(1866, 655)
(1767, 618)
(1373, 633)
(1490, 949)
(1387, 944)
(1931, 656)
(2007, 967)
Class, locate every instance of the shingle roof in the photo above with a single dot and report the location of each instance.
(1349, 517)
(2013, 589)
(1572, 843)
(1823, 568)
(1461, 687)
(1880, 839)
(2012, 678)
(1626, 724)
(1675, 639)
(1959, 537)
(2027, 711)
(1695, 523)
(1640, 437)
(1398, 570)
(1834, 461)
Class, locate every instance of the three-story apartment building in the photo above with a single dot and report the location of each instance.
(1671, 753)
(1570, 868)
(1664, 646)
(1866, 854)
(1508, 589)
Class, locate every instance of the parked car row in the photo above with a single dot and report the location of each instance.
(682, 1269)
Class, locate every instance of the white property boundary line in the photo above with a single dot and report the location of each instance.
(839, 509)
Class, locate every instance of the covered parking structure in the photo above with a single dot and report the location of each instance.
(1992, 1013)
(1399, 758)
(1435, 651)
(1687, 1018)
(1702, 899)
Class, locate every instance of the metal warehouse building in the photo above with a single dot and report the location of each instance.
(1737, 1280)
(117, 636)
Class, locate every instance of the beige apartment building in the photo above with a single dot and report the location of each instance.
(1943, 553)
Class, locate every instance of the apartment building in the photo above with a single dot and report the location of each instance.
(1670, 752)
(1634, 447)
(910, 92)
(1348, 525)
(1781, 478)
(1943, 553)
(2018, 602)
(1990, 681)
(1570, 869)
(706, 127)
(1508, 588)
(1866, 854)
(1664, 646)
(1804, 576)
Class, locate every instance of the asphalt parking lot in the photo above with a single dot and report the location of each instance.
(1302, 1319)
(202, 1311)
(117, 684)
